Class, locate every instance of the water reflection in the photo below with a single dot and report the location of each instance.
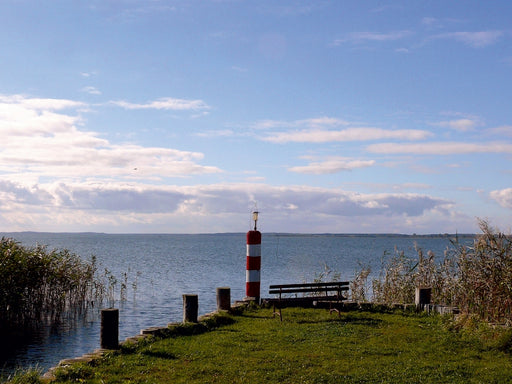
(43, 345)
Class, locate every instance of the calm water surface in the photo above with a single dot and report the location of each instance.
(159, 269)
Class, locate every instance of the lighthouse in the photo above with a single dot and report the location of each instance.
(252, 285)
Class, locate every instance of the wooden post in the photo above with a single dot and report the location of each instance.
(109, 332)
(422, 297)
(190, 308)
(223, 299)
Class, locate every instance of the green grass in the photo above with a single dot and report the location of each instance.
(309, 346)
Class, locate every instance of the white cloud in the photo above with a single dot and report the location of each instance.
(361, 37)
(392, 186)
(332, 165)
(435, 23)
(38, 104)
(503, 197)
(135, 14)
(23, 119)
(461, 125)
(77, 154)
(439, 148)
(216, 133)
(321, 130)
(88, 74)
(166, 103)
(37, 141)
(504, 130)
(91, 90)
(475, 39)
(348, 134)
(429, 21)
(316, 122)
(116, 197)
(122, 204)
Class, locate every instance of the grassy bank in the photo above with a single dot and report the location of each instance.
(312, 346)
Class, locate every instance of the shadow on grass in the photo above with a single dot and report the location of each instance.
(189, 329)
(159, 354)
(292, 316)
(344, 319)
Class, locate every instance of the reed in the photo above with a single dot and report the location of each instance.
(38, 285)
(476, 278)
(28, 376)
(359, 290)
(485, 275)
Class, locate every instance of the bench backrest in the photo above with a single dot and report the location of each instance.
(334, 286)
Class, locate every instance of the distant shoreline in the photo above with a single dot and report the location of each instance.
(280, 234)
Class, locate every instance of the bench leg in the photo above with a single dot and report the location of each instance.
(335, 310)
(331, 309)
(279, 313)
(274, 309)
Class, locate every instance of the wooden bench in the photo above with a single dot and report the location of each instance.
(311, 294)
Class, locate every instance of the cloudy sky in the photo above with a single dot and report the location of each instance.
(162, 116)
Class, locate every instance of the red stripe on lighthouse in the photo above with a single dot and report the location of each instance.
(254, 237)
(253, 263)
(253, 289)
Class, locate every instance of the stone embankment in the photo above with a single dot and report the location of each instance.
(145, 334)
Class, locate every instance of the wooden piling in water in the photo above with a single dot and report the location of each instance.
(223, 298)
(109, 331)
(190, 308)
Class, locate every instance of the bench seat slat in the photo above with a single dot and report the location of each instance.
(305, 290)
(312, 285)
(285, 300)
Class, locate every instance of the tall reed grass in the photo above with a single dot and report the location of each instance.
(40, 285)
(475, 278)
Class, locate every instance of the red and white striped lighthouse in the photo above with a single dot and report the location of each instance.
(252, 285)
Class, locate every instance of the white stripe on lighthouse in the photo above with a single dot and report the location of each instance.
(253, 249)
(252, 276)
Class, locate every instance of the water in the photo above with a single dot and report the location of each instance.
(159, 269)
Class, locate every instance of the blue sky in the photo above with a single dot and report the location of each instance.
(182, 116)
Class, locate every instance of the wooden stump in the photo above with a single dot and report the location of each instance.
(223, 299)
(109, 332)
(190, 308)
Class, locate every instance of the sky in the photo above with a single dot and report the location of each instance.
(161, 116)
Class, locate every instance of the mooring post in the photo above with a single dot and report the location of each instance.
(109, 332)
(223, 299)
(190, 308)
(422, 297)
